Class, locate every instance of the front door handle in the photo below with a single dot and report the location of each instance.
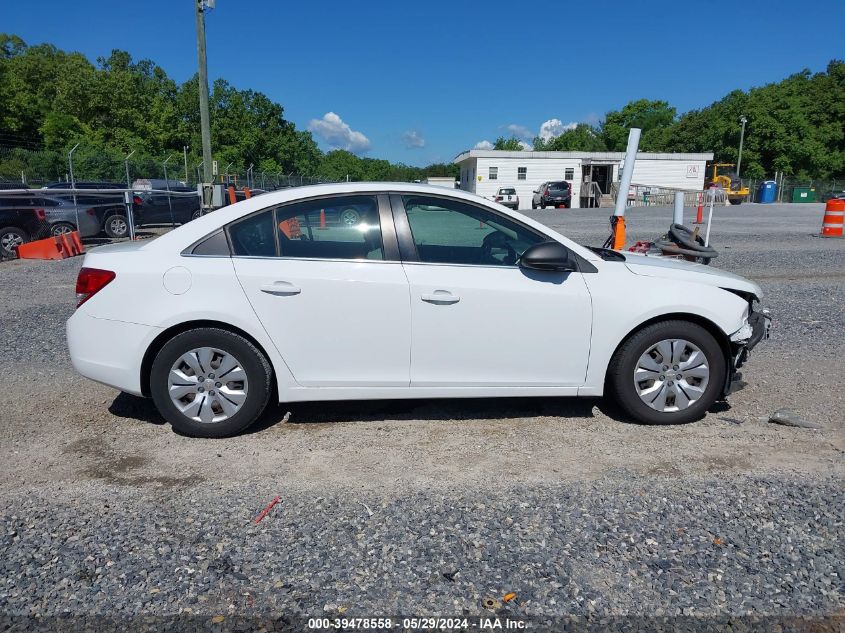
(281, 288)
(440, 297)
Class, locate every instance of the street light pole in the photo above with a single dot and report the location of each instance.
(205, 124)
(742, 120)
(185, 154)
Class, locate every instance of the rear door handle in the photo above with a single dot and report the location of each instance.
(281, 288)
(440, 297)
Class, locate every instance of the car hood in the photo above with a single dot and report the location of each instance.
(670, 268)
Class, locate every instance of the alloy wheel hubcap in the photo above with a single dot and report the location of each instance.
(10, 241)
(208, 385)
(118, 226)
(671, 375)
(350, 217)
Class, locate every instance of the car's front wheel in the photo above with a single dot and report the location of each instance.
(667, 373)
(210, 382)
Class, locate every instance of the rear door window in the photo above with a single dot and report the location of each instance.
(341, 227)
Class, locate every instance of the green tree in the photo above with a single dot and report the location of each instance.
(654, 118)
(512, 144)
(582, 137)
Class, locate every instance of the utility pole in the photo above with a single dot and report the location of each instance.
(185, 154)
(742, 120)
(205, 124)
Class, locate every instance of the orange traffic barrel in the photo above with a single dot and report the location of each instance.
(834, 217)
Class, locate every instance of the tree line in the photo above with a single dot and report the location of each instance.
(795, 126)
(51, 99)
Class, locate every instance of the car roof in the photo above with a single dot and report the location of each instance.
(185, 235)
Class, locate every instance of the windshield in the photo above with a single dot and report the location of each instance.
(507, 191)
(559, 186)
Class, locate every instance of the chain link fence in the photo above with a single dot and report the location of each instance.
(37, 167)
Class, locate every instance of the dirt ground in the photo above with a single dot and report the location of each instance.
(58, 428)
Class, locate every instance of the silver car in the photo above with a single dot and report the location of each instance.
(62, 216)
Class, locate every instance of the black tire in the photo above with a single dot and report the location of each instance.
(258, 371)
(116, 226)
(542, 204)
(533, 206)
(10, 238)
(620, 374)
(196, 214)
(735, 201)
(61, 228)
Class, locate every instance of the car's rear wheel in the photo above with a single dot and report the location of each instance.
(62, 228)
(196, 214)
(10, 238)
(116, 226)
(542, 204)
(210, 382)
(667, 373)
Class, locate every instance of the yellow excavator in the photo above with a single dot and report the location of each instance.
(727, 180)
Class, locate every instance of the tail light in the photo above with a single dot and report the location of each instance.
(90, 281)
(498, 198)
(136, 200)
(41, 214)
(91, 212)
(546, 192)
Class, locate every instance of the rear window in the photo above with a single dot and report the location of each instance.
(507, 192)
(558, 186)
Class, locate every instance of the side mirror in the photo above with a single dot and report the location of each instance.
(548, 256)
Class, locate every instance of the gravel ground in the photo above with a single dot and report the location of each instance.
(105, 512)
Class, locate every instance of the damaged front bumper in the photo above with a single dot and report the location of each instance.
(757, 328)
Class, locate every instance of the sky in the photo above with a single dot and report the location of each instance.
(419, 82)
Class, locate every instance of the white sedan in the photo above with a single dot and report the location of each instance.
(379, 290)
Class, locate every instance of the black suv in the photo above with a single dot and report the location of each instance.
(20, 223)
(552, 194)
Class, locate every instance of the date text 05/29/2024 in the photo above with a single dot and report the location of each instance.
(409, 624)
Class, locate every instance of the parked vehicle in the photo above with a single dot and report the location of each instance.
(552, 194)
(506, 196)
(63, 216)
(110, 209)
(152, 207)
(257, 299)
(19, 223)
(833, 195)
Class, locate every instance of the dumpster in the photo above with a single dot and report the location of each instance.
(804, 194)
(768, 192)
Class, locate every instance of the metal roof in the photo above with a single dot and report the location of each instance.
(583, 156)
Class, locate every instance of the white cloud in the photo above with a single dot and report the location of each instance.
(338, 134)
(527, 147)
(520, 131)
(483, 145)
(413, 140)
(553, 128)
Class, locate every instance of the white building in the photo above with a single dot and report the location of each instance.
(484, 171)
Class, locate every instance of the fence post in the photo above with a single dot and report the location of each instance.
(678, 215)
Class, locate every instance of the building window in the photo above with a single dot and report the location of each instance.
(521, 173)
(494, 173)
(569, 174)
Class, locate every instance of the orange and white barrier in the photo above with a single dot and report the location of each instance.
(834, 218)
